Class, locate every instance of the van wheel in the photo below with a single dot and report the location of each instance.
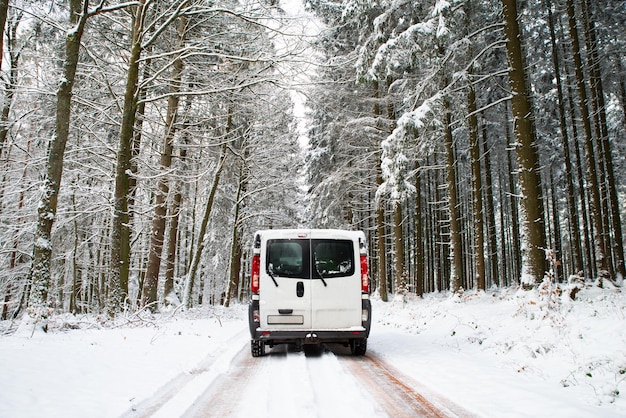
(257, 348)
(358, 347)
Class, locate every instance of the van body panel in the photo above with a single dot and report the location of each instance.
(309, 287)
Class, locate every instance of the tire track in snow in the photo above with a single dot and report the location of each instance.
(178, 390)
(222, 397)
(288, 384)
(396, 394)
(284, 384)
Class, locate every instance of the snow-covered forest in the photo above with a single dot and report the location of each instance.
(477, 143)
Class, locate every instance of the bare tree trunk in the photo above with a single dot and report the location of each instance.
(172, 243)
(598, 116)
(15, 257)
(120, 235)
(556, 226)
(477, 192)
(9, 93)
(419, 235)
(399, 246)
(532, 219)
(4, 9)
(592, 175)
(235, 268)
(42, 252)
(456, 256)
(380, 215)
(205, 221)
(427, 219)
(503, 278)
(489, 211)
(151, 281)
(398, 217)
(444, 247)
(172, 240)
(12, 81)
(599, 111)
(76, 280)
(575, 240)
(587, 228)
(516, 259)
(136, 145)
(236, 250)
(382, 250)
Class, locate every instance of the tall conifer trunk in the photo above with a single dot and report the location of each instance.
(590, 158)
(489, 211)
(380, 215)
(516, 259)
(532, 214)
(599, 110)
(477, 189)
(399, 246)
(575, 239)
(419, 235)
(456, 256)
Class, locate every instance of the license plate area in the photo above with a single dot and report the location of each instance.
(285, 319)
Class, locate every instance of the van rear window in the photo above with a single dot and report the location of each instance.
(287, 258)
(294, 259)
(333, 258)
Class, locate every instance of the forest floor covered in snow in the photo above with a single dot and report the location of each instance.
(497, 353)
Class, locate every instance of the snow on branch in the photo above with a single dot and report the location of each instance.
(395, 162)
(440, 7)
(393, 52)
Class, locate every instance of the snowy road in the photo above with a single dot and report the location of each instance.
(287, 383)
(496, 354)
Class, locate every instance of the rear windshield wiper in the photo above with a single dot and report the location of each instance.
(270, 272)
(323, 281)
(319, 273)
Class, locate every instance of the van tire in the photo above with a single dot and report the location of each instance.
(257, 348)
(358, 347)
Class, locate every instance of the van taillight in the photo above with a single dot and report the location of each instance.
(365, 283)
(256, 273)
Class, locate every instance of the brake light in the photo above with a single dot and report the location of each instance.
(256, 273)
(365, 283)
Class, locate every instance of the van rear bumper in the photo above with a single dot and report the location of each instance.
(301, 337)
(308, 336)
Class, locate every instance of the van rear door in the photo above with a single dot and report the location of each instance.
(285, 298)
(336, 281)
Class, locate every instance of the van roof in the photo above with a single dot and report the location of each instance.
(310, 233)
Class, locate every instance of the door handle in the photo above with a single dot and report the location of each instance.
(300, 289)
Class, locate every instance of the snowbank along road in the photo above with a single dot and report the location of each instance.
(286, 383)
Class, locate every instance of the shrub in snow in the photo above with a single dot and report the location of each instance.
(549, 295)
(575, 283)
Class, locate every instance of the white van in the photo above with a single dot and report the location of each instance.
(309, 286)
